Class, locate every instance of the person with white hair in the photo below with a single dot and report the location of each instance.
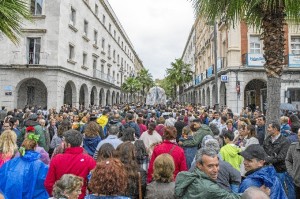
(255, 192)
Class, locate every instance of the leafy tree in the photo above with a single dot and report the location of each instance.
(146, 80)
(131, 85)
(168, 87)
(270, 17)
(179, 74)
(12, 14)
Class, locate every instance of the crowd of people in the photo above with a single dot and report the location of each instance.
(137, 151)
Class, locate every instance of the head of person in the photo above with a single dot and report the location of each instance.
(196, 124)
(7, 126)
(128, 134)
(14, 122)
(273, 129)
(140, 151)
(68, 186)
(250, 131)
(8, 140)
(254, 157)
(229, 123)
(129, 116)
(186, 131)
(254, 193)
(29, 143)
(106, 151)
(113, 130)
(260, 120)
(126, 152)
(61, 129)
(228, 136)
(72, 138)
(216, 115)
(42, 122)
(170, 133)
(161, 120)
(207, 161)
(214, 128)
(92, 129)
(151, 128)
(109, 178)
(212, 144)
(139, 120)
(284, 120)
(163, 168)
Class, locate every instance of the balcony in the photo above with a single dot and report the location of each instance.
(33, 58)
(102, 76)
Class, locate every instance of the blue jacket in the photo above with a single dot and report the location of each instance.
(23, 177)
(135, 126)
(90, 144)
(264, 176)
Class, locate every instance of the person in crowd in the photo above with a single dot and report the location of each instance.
(23, 177)
(109, 180)
(91, 137)
(179, 124)
(15, 124)
(3, 114)
(229, 126)
(201, 131)
(106, 151)
(285, 128)
(201, 183)
(42, 122)
(160, 126)
(230, 151)
(72, 161)
(261, 129)
(128, 135)
(276, 147)
(6, 126)
(8, 146)
(141, 124)
(76, 122)
(130, 122)
(141, 154)
(68, 187)
(258, 175)
(136, 175)
(151, 138)
(189, 152)
(223, 124)
(112, 139)
(255, 193)
(217, 119)
(57, 142)
(292, 162)
(170, 121)
(249, 137)
(163, 184)
(169, 146)
(103, 121)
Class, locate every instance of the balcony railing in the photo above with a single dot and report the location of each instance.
(33, 58)
(105, 77)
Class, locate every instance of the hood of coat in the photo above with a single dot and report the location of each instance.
(231, 150)
(31, 156)
(91, 141)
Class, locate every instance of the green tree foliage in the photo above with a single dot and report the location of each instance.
(146, 81)
(131, 85)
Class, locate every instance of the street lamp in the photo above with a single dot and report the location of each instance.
(121, 72)
(215, 66)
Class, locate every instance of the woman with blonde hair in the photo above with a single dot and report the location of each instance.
(162, 185)
(8, 146)
(24, 176)
(68, 187)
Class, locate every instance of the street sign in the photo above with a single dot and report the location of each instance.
(224, 78)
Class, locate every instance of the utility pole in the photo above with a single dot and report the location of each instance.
(215, 66)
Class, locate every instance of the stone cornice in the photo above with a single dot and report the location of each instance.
(33, 30)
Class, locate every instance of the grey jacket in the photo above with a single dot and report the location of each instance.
(159, 190)
(292, 162)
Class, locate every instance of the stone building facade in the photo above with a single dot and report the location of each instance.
(74, 52)
(242, 81)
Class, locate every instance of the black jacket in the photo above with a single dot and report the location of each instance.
(276, 152)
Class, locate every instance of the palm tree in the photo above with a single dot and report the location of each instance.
(270, 17)
(179, 74)
(131, 85)
(146, 80)
(12, 14)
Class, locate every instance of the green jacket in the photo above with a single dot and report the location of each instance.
(229, 153)
(197, 184)
(38, 131)
(199, 135)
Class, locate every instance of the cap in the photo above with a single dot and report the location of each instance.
(33, 116)
(254, 151)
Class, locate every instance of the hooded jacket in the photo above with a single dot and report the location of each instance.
(197, 184)
(198, 136)
(23, 177)
(229, 153)
(90, 144)
(264, 176)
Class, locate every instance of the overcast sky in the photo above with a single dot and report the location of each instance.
(158, 29)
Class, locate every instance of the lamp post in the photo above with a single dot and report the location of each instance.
(121, 72)
(215, 66)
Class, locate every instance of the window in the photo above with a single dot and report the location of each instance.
(114, 74)
(34, 48)
(122, 44)
(71, 52)
(115, 33)
(114, 55)
(109, 28)
(118, 40)
(108, 71)
(36, 7)
(118, 59)
(84, 56)
(255, 44)
(295, 45)
(95, 37)
(102, 68)
(73, 16)
(85, 28)
(96, 10)
(108, 50)
(103, 43)
(121, 61)
(103, 19)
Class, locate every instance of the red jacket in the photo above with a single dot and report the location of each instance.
(177, 154)
(72, 161)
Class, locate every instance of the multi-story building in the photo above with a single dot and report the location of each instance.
(74, 52)
(242, 80)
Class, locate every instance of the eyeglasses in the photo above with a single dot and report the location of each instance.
(6, 126)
